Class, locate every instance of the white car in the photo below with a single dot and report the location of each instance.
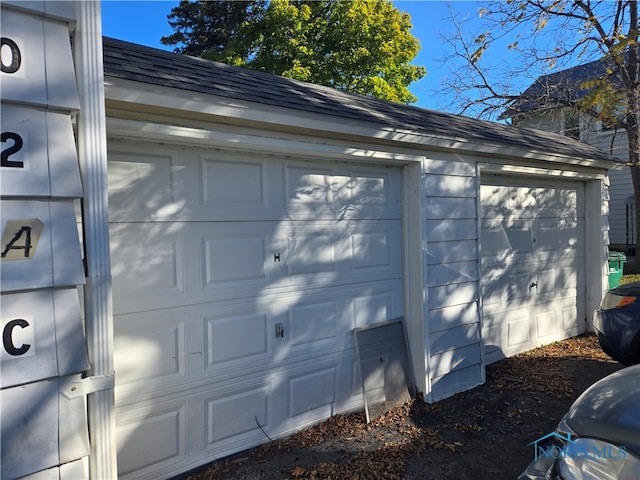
(598, 438)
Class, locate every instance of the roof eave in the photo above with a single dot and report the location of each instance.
(138, 97)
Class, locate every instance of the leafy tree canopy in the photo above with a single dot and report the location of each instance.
(360, 46)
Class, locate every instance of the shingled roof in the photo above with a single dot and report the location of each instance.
(560, 88)
(153, 66)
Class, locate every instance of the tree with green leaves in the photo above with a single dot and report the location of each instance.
(535, 41)
(208, 27)
(359, 46)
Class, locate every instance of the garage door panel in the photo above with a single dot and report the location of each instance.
(311, 391)
(506, 202)
(237, 257)
(371, 250)
(150, 349)
(554, 201)
(376, 305)
(313, 324)
(532, 263)
(512, 286)
(313, 253)
(233, 415)
(518, 333)
(317, 252)
(238, 279)
(237, 337)
(375, 248)
(236, 184)
(546, 323)
(333, 191)
(147, 264)
(232, 186)
(151, 438)
(311, 190)
(570, 319)
(146, 184)
(560, 233)
(372, 187)
(494, 240)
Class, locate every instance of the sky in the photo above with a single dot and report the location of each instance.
(144, 22)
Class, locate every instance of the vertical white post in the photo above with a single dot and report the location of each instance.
(92, 155)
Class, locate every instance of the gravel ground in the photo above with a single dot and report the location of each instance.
(483, 433)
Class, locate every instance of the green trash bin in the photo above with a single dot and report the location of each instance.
(616, 267)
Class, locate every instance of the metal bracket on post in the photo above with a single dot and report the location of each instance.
(85, 386)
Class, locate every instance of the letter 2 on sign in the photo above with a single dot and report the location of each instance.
(7, 337)
(11, 56)
(15, 148)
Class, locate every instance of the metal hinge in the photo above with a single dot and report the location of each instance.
(87, 385)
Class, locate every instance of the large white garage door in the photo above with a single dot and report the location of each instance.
(237, 280)
(532, 250)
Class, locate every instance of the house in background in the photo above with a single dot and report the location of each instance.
(546, 105)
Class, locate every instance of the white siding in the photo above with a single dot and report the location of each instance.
(620, 188)
(451, 256)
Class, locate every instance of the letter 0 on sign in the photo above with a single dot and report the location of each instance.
(7, 337)
(15, 148)
(15, 56)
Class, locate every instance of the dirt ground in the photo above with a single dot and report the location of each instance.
(483, 433)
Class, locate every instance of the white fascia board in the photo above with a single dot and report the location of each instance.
(533, 171)
(135, 129)
(188, 102)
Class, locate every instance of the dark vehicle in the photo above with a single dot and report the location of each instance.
(617, 323)
(598, 438)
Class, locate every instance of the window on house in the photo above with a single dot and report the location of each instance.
(571, 127)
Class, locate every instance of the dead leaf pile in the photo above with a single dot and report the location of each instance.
(346, 447)
(538, 369)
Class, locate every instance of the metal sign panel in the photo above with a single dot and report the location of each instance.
(75, 470)
(54, 261)
(40, 428)
(24, 56)
(41, 336)
(58, 9)
(44, 430)
(39, 158)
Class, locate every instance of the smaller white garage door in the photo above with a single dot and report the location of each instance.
(532, 251)
(237, 281)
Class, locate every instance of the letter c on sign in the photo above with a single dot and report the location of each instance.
(7, 337)
(15, 57)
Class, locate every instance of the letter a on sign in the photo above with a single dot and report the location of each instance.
(20, 239)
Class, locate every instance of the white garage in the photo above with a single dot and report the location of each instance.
(253, 225)
(533, 263)
(256, 221)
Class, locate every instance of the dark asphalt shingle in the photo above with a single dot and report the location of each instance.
(138, 63)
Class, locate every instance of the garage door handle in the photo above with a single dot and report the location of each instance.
(279, 330)
(533, 284)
